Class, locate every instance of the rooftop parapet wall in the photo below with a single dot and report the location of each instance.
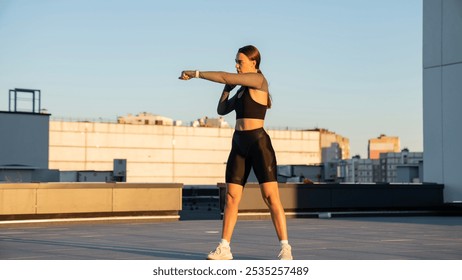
(84, 198)
(299, 198)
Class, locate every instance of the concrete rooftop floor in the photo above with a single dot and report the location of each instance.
(338, 238)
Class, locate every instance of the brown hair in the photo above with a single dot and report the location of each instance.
(253, 54)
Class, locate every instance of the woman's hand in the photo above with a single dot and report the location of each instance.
(187, 74)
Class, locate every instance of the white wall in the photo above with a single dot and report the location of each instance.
(190, 155)
(442, 94)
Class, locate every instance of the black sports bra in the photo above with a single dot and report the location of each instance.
(246, 107)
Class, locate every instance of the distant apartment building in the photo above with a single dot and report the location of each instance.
(383, 144)
(170, 153)
(333, 146)
(392, 163)
(210, 122)
(145, 119)
(357, 170)
(402, 167)
(152, 119)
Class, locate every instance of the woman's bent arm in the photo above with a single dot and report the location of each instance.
(225, 106)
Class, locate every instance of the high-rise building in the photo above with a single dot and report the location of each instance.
(442, 87)
(382, 144)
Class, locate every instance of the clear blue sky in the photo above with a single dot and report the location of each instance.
(353, 67)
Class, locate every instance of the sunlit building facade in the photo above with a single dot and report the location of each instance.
(382, 144)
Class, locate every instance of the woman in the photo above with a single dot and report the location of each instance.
(251, 146)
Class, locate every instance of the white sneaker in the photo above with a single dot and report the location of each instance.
(220, 253)
(286, 253)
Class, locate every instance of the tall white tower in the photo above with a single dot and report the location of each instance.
(442, 95)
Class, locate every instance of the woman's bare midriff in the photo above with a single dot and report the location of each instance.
(248, 124)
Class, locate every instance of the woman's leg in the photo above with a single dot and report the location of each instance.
(233, 197)
(270, 194)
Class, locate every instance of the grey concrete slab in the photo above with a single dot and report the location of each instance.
(338, 238)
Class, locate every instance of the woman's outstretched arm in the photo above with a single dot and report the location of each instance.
(252, 80)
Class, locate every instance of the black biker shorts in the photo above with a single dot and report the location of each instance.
(251, 149)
